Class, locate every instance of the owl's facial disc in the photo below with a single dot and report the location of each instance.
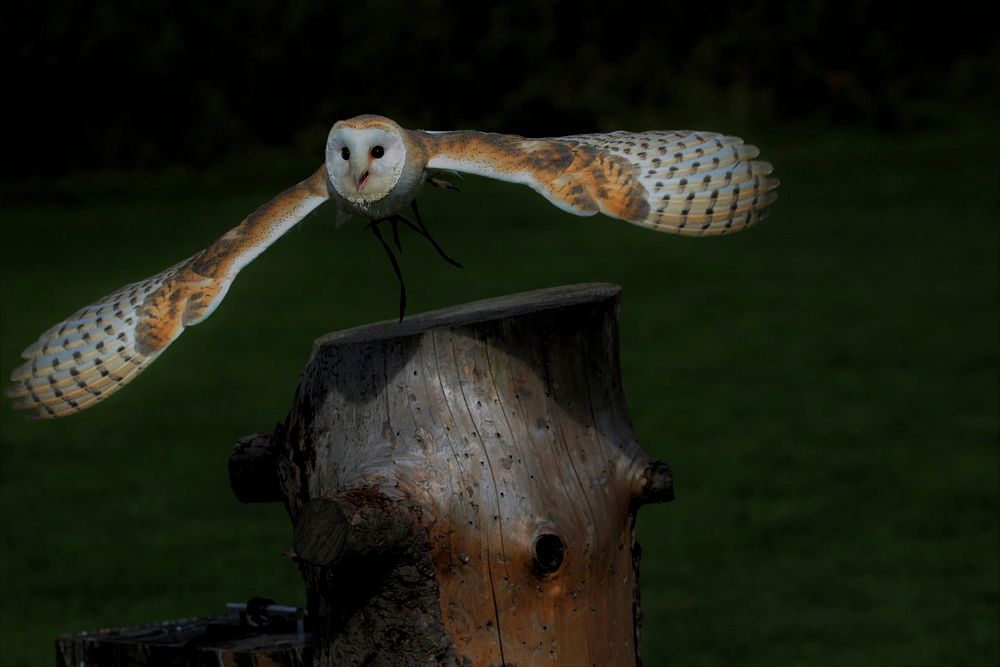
(364, 163)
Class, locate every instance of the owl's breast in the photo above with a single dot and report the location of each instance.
(375, 209)
(395, 199)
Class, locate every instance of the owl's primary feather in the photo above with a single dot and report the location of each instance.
(692, 183)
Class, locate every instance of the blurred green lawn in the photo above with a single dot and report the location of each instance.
(824, 386)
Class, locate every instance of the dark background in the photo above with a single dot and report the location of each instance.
(144, 84)
(825, 385)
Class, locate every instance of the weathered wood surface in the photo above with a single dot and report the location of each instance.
(463, 486)
(217, 641)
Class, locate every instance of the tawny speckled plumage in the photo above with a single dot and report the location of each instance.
(691, 183)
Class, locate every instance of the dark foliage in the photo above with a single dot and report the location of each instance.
(143, 83)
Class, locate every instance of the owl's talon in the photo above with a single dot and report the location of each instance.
(441, 183)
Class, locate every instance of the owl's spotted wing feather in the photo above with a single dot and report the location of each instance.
(99, 349)
(692, 183)
(93, 352)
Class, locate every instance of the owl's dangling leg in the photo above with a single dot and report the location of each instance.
(373, 225)
(423, 231)
(418, 227)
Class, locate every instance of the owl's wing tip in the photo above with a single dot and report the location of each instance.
(15, 392)
(763, 167)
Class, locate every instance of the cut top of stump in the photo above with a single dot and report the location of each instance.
(477, 311)
(510, 378)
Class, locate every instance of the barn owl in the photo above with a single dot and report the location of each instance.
(685, 182)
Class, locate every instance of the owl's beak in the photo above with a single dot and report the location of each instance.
(360, 173)
(362, 180)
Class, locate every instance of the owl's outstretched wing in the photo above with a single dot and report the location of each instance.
(98, 349)
(692, 183)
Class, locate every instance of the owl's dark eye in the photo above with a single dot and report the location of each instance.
(345, 153)
(377, 152)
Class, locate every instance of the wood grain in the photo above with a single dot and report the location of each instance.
(474, 471)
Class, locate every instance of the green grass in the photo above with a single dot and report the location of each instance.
(824, 386)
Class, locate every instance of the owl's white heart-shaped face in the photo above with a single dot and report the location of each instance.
(364, 160)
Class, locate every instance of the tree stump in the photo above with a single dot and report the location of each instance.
(463, 486)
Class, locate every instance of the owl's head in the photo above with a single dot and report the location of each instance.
(365, 157)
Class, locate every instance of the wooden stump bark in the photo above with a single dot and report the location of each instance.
(463, 486)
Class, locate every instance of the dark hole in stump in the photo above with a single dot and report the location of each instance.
(549, 553)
